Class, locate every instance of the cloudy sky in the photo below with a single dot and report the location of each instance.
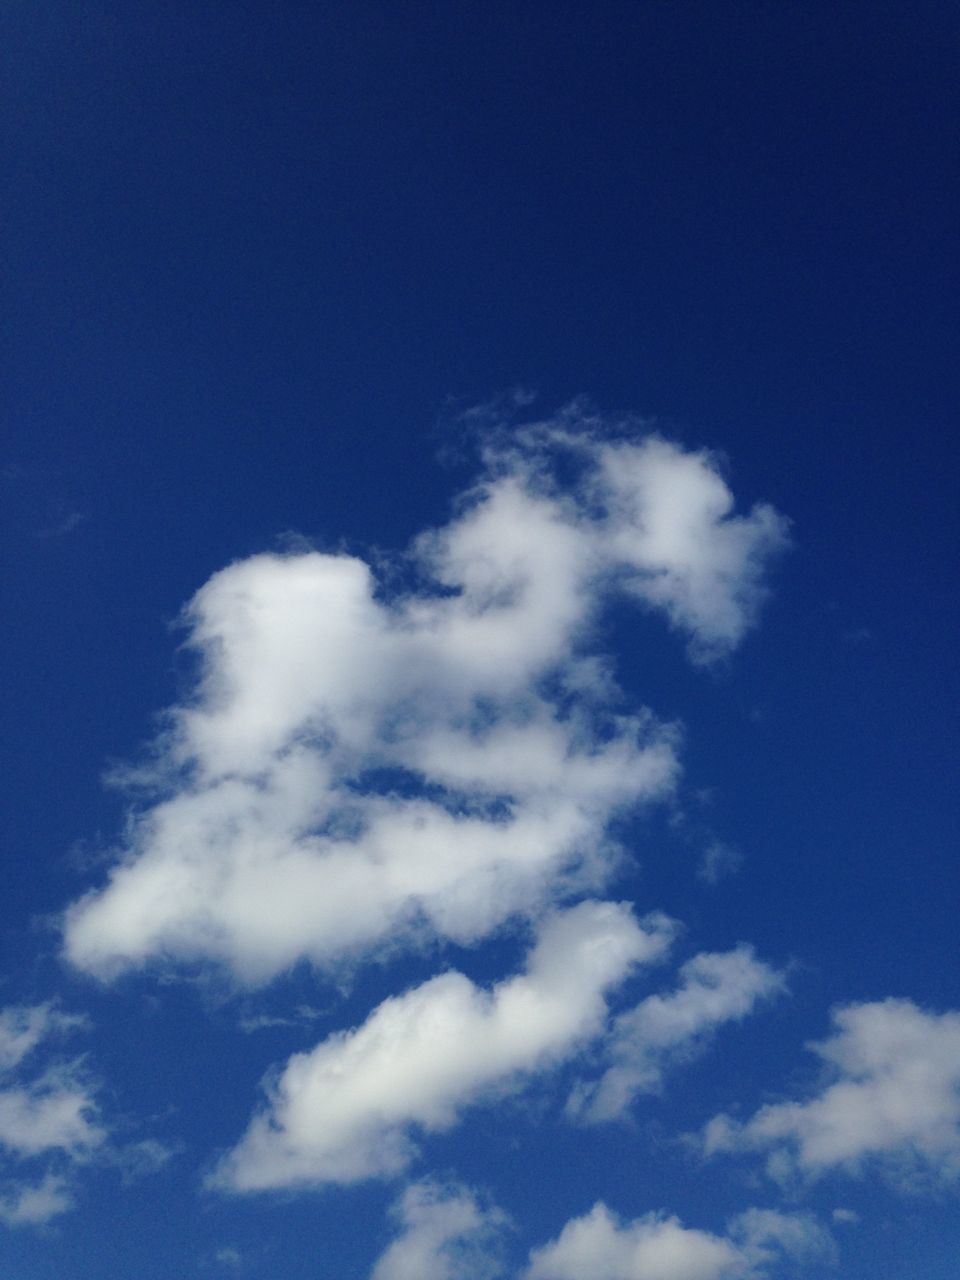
(479, 529)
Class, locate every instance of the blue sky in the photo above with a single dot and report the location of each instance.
(479, 530)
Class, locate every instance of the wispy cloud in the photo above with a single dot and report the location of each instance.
(31, 1204)
(718, 861)
(23, 1027)
(715, 988)
(48, 1113)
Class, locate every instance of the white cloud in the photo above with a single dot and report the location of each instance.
(51, 1121)
(23, 1027)
(48, 1115)
(445, 1234)
(894, 1097)
(651, 1248)
(53, 1113)
(765, 1236)
(845, 1215)
(50, 1111)
(30, 1204)
(354, 770)
(138, 1160)
(660, 1247)
(671, 520)
(345, 1110)
(716, 987)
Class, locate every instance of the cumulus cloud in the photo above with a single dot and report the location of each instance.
(357, 767)
(445, 1234)
(655, 1247)
(715, 987)
(893, 1098)
(345, 1110)
(660, 1247)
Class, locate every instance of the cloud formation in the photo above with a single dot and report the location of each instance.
(345, 1111)
(30, 1204)
(357, 767)
(445, 1234)
(48, 1115)
(715, 987)
(659, 1247)
(22, 1027)
(894, 1099)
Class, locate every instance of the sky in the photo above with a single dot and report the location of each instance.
(479, 522)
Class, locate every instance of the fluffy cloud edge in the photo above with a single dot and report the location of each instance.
(658, 1246)
(477, 692)
(666, 1029)
(892, 1101)
(348, 1109)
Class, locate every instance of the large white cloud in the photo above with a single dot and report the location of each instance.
(356, 767)
(659, 1247)
(893, 1098)
(715, 987)
(347, 1109)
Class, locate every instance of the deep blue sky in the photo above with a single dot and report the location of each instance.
(255, 259)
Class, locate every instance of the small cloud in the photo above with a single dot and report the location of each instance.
(32, 509)
(229, 1256)
(263, 1022)
(846, 1215)
(26, 1205)
(665, 1030)
(446, 1233)
(303, 1015)
(142, 1159)
(717, 862)
(23, 1027)
(891, 1098)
